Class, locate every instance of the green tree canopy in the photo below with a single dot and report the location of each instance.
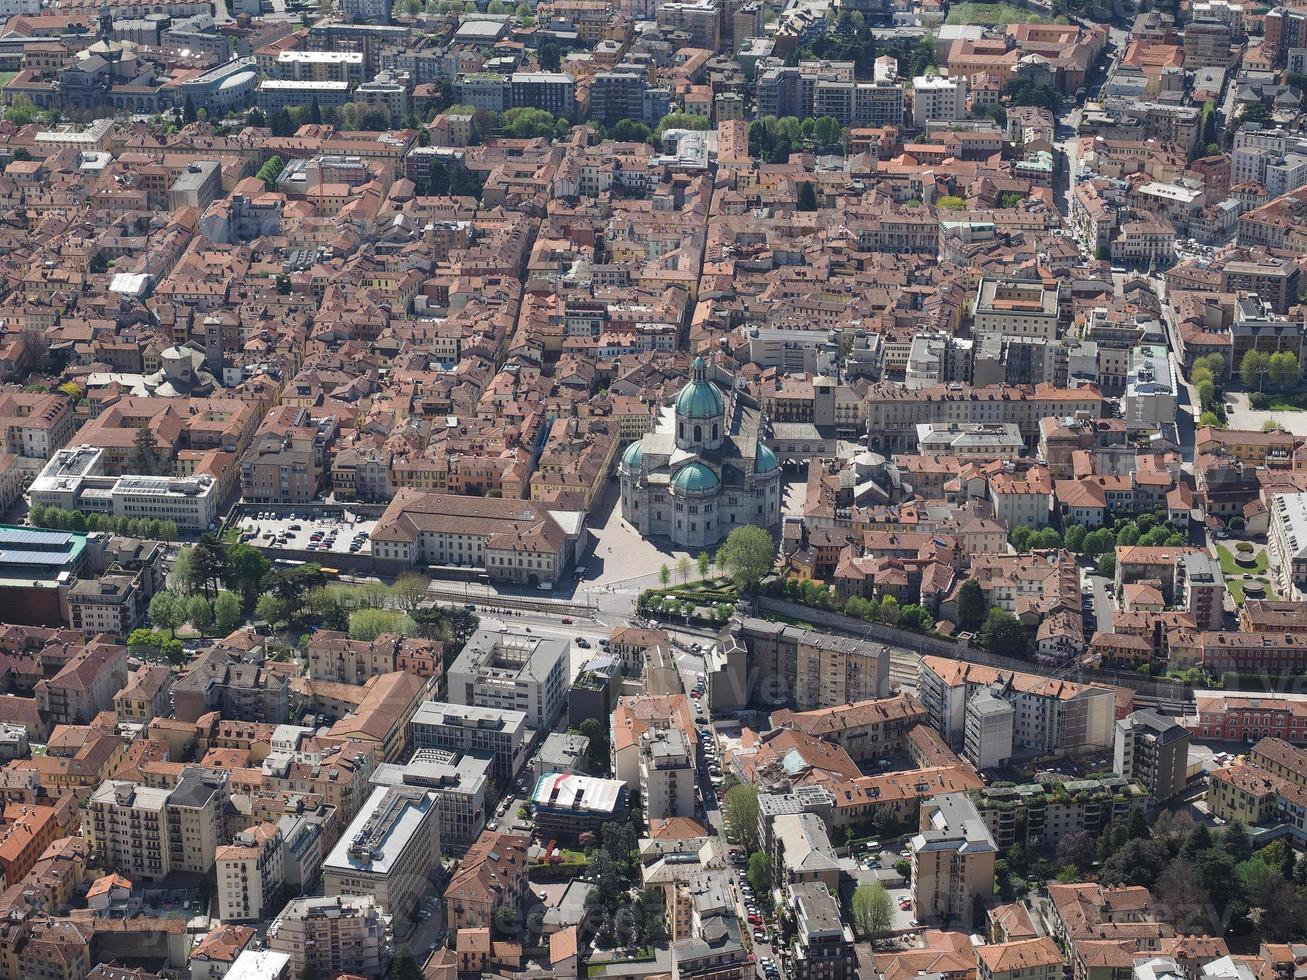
(747, 555)
(971, 605)
(872, 912)
(740, 811)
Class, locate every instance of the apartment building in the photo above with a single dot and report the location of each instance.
(667, 774)
(553, 92)
(251, 872)
(936, 98)
(148, 832)
(35, 425)
(1051, 717)
(113, 604)
(1042, 814)
(388, 850)
(638, 715)
(497, 733)
(814, 670)
(953, 859)
(1235, 718)
(492, 875)
(1287, 543)
(333, 935)
(1150, 749)
(218, 681)
(823, 947)
(1023, 959)
(866, 730)
(84, 686)
(381, 717)
(512, 672)
(146, 694)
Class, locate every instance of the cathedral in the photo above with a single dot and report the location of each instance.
(703, 470)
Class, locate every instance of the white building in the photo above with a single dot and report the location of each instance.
(251, 872)
(333, 936)
(938, 99)
(460, 781)
(467, 728)
(987, 740)
(667, 773)
(74, 480)
(1150, 391)
(388, 850)
(1287, 544)
(512, 672)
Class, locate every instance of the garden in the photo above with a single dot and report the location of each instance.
(1246, 571)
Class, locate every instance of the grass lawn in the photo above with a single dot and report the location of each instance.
(1234, 573)
(1285, 403)
(992, 13)
(5, 76)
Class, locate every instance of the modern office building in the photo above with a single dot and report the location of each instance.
(466, 728)
(567, 805)
(389, 849)
(512, 671)
(461, 782)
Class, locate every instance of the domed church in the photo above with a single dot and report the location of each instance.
(703, 470)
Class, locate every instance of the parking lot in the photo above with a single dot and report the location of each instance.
(326, 535)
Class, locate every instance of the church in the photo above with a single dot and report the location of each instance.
(705, 469)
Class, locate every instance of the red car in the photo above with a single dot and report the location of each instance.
(567, 620)
(755, 920)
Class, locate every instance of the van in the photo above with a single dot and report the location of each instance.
(546, 586)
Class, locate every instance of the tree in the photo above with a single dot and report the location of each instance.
(368, 624)
(807, 197)
(664, 575)
(410, 590)
(199, 613)
(1099, 541)
(1254, 368)
(405, 968)
(1003, 635)
(1236, 841)
(746, 555)
(971, 604)
(826, 131)
(209, 564)
(890, 611)
(1074, 538)
(1107, 565)
(227, 611)
(438, 179)
(705, 564)
(597, 753)
(164, 613)
(188, 111)
(680, 120)
(873, 912)
(1128, 534)
(760, 873)
(1283, 368)
(629, 131)
(916, 617)
(145, 455)
(247, 568)
(1047, 538)
(550, 55)
(315, 112)
(270, 171)
(740, 811)
(683, 567)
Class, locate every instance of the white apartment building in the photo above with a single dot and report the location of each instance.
(1287, 543)
(468, 728)
(1150, 390)
(460, 781)
(938, 99)
(667, 774)
(388, 850)
(251, 872)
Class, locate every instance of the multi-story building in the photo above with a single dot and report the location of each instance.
(1235, 718)
(467, 728)
(512, 672)
(1015, 308)
(274, 94)
(113, 604)
(319, 66)
(84, 685)
(1022, 959)
(700, 19)
(388, 850)
(812, 670)
(149, 832)
(1287, 543)
(823, 942)
(953, 859)
(551, 91)
(1041, 814)
(866, 730)
(370, 12)
(491, 876)
(251, 872)
(333, 935)
(1207, 43)
(1152, 750)
(217, 681)
(667, 773)
(461, 782)
(35, 425)
(936, 98)
(1052, 716)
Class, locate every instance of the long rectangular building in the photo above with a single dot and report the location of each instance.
(893, 412)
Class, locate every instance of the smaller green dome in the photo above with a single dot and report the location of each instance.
(634, 454)
(765, 461)
(699, 400)
(694, 477)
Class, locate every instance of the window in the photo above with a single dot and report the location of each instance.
(698, 433)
